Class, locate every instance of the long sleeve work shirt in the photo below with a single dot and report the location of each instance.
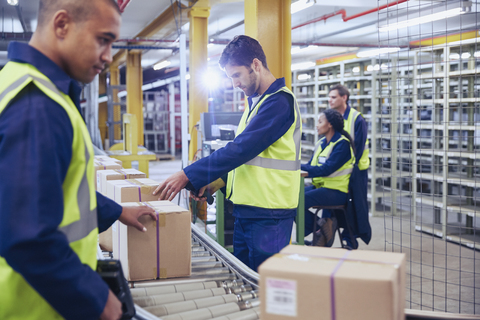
(274, 118)
(339, 156)
(35, 152)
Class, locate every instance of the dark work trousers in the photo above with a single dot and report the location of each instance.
(324, 197)
(255, 240)
(359, 211)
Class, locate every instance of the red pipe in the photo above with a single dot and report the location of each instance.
(122, 4)
(344, 14)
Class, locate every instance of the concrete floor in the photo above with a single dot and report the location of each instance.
(441, 276)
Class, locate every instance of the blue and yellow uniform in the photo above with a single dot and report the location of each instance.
(269, 137)
(356, 126)
(330, 168)
(37, 147)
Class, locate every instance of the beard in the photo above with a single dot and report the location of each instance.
(251, 87)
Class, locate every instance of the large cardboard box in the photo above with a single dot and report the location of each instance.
(307, 283)
(119, 174)
(163, 251)
(132, 190)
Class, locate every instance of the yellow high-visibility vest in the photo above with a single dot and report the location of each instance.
(272, 179)
(18, 300)
(364, 161)
(339, 179)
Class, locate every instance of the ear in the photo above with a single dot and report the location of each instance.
(257, 65)
(344, 98)
(61, 23)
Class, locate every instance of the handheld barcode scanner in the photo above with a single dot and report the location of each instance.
(111, 272)
(207, 194)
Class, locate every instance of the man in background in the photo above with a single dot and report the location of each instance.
(356, 126)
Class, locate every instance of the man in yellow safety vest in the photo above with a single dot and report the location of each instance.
(50, 212)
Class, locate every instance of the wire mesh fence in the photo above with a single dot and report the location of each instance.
(426, 149)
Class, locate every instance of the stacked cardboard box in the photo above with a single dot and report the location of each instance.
(107, 159)
(105, 165)
(163, 251)
(131, 190)
(119, 174)
(307, 283)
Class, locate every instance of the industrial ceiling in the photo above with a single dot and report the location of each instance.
(347, 26)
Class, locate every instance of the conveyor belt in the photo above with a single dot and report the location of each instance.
(220, 288)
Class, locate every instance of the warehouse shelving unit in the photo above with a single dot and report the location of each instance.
(156, 118)
(446, 139)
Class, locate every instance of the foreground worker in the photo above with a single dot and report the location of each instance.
(262, 162)
(50, 214)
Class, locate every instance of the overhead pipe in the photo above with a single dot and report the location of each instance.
(344, 14)
(122, 4)
(20, 17)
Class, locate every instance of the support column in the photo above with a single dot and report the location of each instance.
(198, 95)
(269, 21)
(117, 112)
(134, 89)
(102, 108)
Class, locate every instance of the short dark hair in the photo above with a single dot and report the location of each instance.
(241, 51)
(79, 10)
(342, 90)
(335, 118)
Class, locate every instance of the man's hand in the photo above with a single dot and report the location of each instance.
(211, 188)
(130, 216)
(113, 308)
(173, 185)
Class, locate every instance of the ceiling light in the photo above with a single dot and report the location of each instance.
(477, 54)
(376, 52)
(425, 19)
(303, 76)
(302, 65)
(454, 56)
(356, 70)
(161, 65)
(296, 50)
(13, 2)
(300, 5)
(466, 55)
(370, 68)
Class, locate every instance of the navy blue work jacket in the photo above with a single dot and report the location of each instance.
(274, 118)
(35, 151)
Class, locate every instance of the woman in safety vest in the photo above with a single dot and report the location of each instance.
(330, 168)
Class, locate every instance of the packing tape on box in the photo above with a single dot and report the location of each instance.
(163, 273)
(157, 273)
(142, 188)
(122, 172)
(341, 260)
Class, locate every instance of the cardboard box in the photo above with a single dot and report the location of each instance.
(107, 159)
(119, 174)
(105, 165)
(105, 240)
(132, 190)
(307, 283)
(164, 251)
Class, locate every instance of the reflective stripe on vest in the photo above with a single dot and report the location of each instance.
(339, 179)
(88, 218)
(79, 221)
(279, 163)
(272, 179)
(364, 161)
